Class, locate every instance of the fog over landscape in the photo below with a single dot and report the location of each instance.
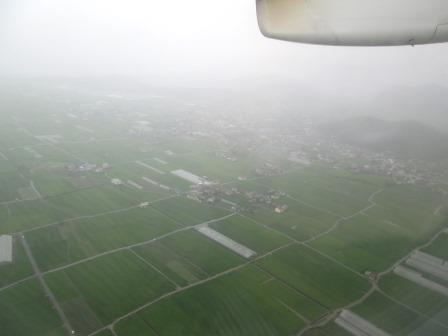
(166, 170)
(216, 44)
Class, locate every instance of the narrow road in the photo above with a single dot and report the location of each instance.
(343, 219)
(335, 313)
(35, 189)
(127, 247)
(181, 289)
(314, 207)
(16, 283)
(99, 214)
(45, 287)
(376, 288)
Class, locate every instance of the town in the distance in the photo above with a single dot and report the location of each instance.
(147, 211)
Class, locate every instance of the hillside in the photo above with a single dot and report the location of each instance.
(408, 139)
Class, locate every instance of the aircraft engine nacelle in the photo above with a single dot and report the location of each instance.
(355, 22)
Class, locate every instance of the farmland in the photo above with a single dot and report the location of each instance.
(110, 240)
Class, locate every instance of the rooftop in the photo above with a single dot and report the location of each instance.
(5, 249)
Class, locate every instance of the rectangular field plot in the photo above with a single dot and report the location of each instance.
(376, 238)
(188, 212)
(55, 179)
(20, 267)
(71, 241)
(114, 151)
(366, 243)
(310, 273)
(30, 214)
(239, 303)
(299, 221)
(331, 190)
(95, 292)
(395, 319)
(423, 300)
(108, 333)
(250, 234)
(25, 311)
(11, 185)
(439, 248)
(187, 257)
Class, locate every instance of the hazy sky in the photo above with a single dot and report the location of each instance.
(201, 40)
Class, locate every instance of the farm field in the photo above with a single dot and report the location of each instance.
(425, 301)
(374, 239)
(71, 241)
(27, 215)
(396, 319)
(439, 248)
(20, 269)
(236, 304)
(32, 313)
(300, 221)
(94, 293)
(188, 212)
(250, 234)
(308, 272)
(188, 256)
(128, 218)
(335, 192)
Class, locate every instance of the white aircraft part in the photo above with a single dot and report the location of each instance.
(427, 263)
(357, 326)
(418, 279)
(226, 242)
(355, 22)
(5, 249)
(186, 175)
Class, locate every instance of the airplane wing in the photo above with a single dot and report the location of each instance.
(355, 22)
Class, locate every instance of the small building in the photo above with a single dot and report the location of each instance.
(116, 181)
(281, 208)
(5, 249)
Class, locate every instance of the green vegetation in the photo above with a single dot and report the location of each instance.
(423, 300)
(439, 248)
(25, 310)
(299, 221)
(124, 257)
(95, 292)
(331, 190)
(188, 212)
(31, 214)
(106, 333)
(375, 239)
(316, 276)
(235, 304)
(19, 269)
(71, 241)
(394, 318)
(250, 234)
(188, 256)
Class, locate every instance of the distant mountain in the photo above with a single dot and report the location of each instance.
(425, 103)
(408, 139)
